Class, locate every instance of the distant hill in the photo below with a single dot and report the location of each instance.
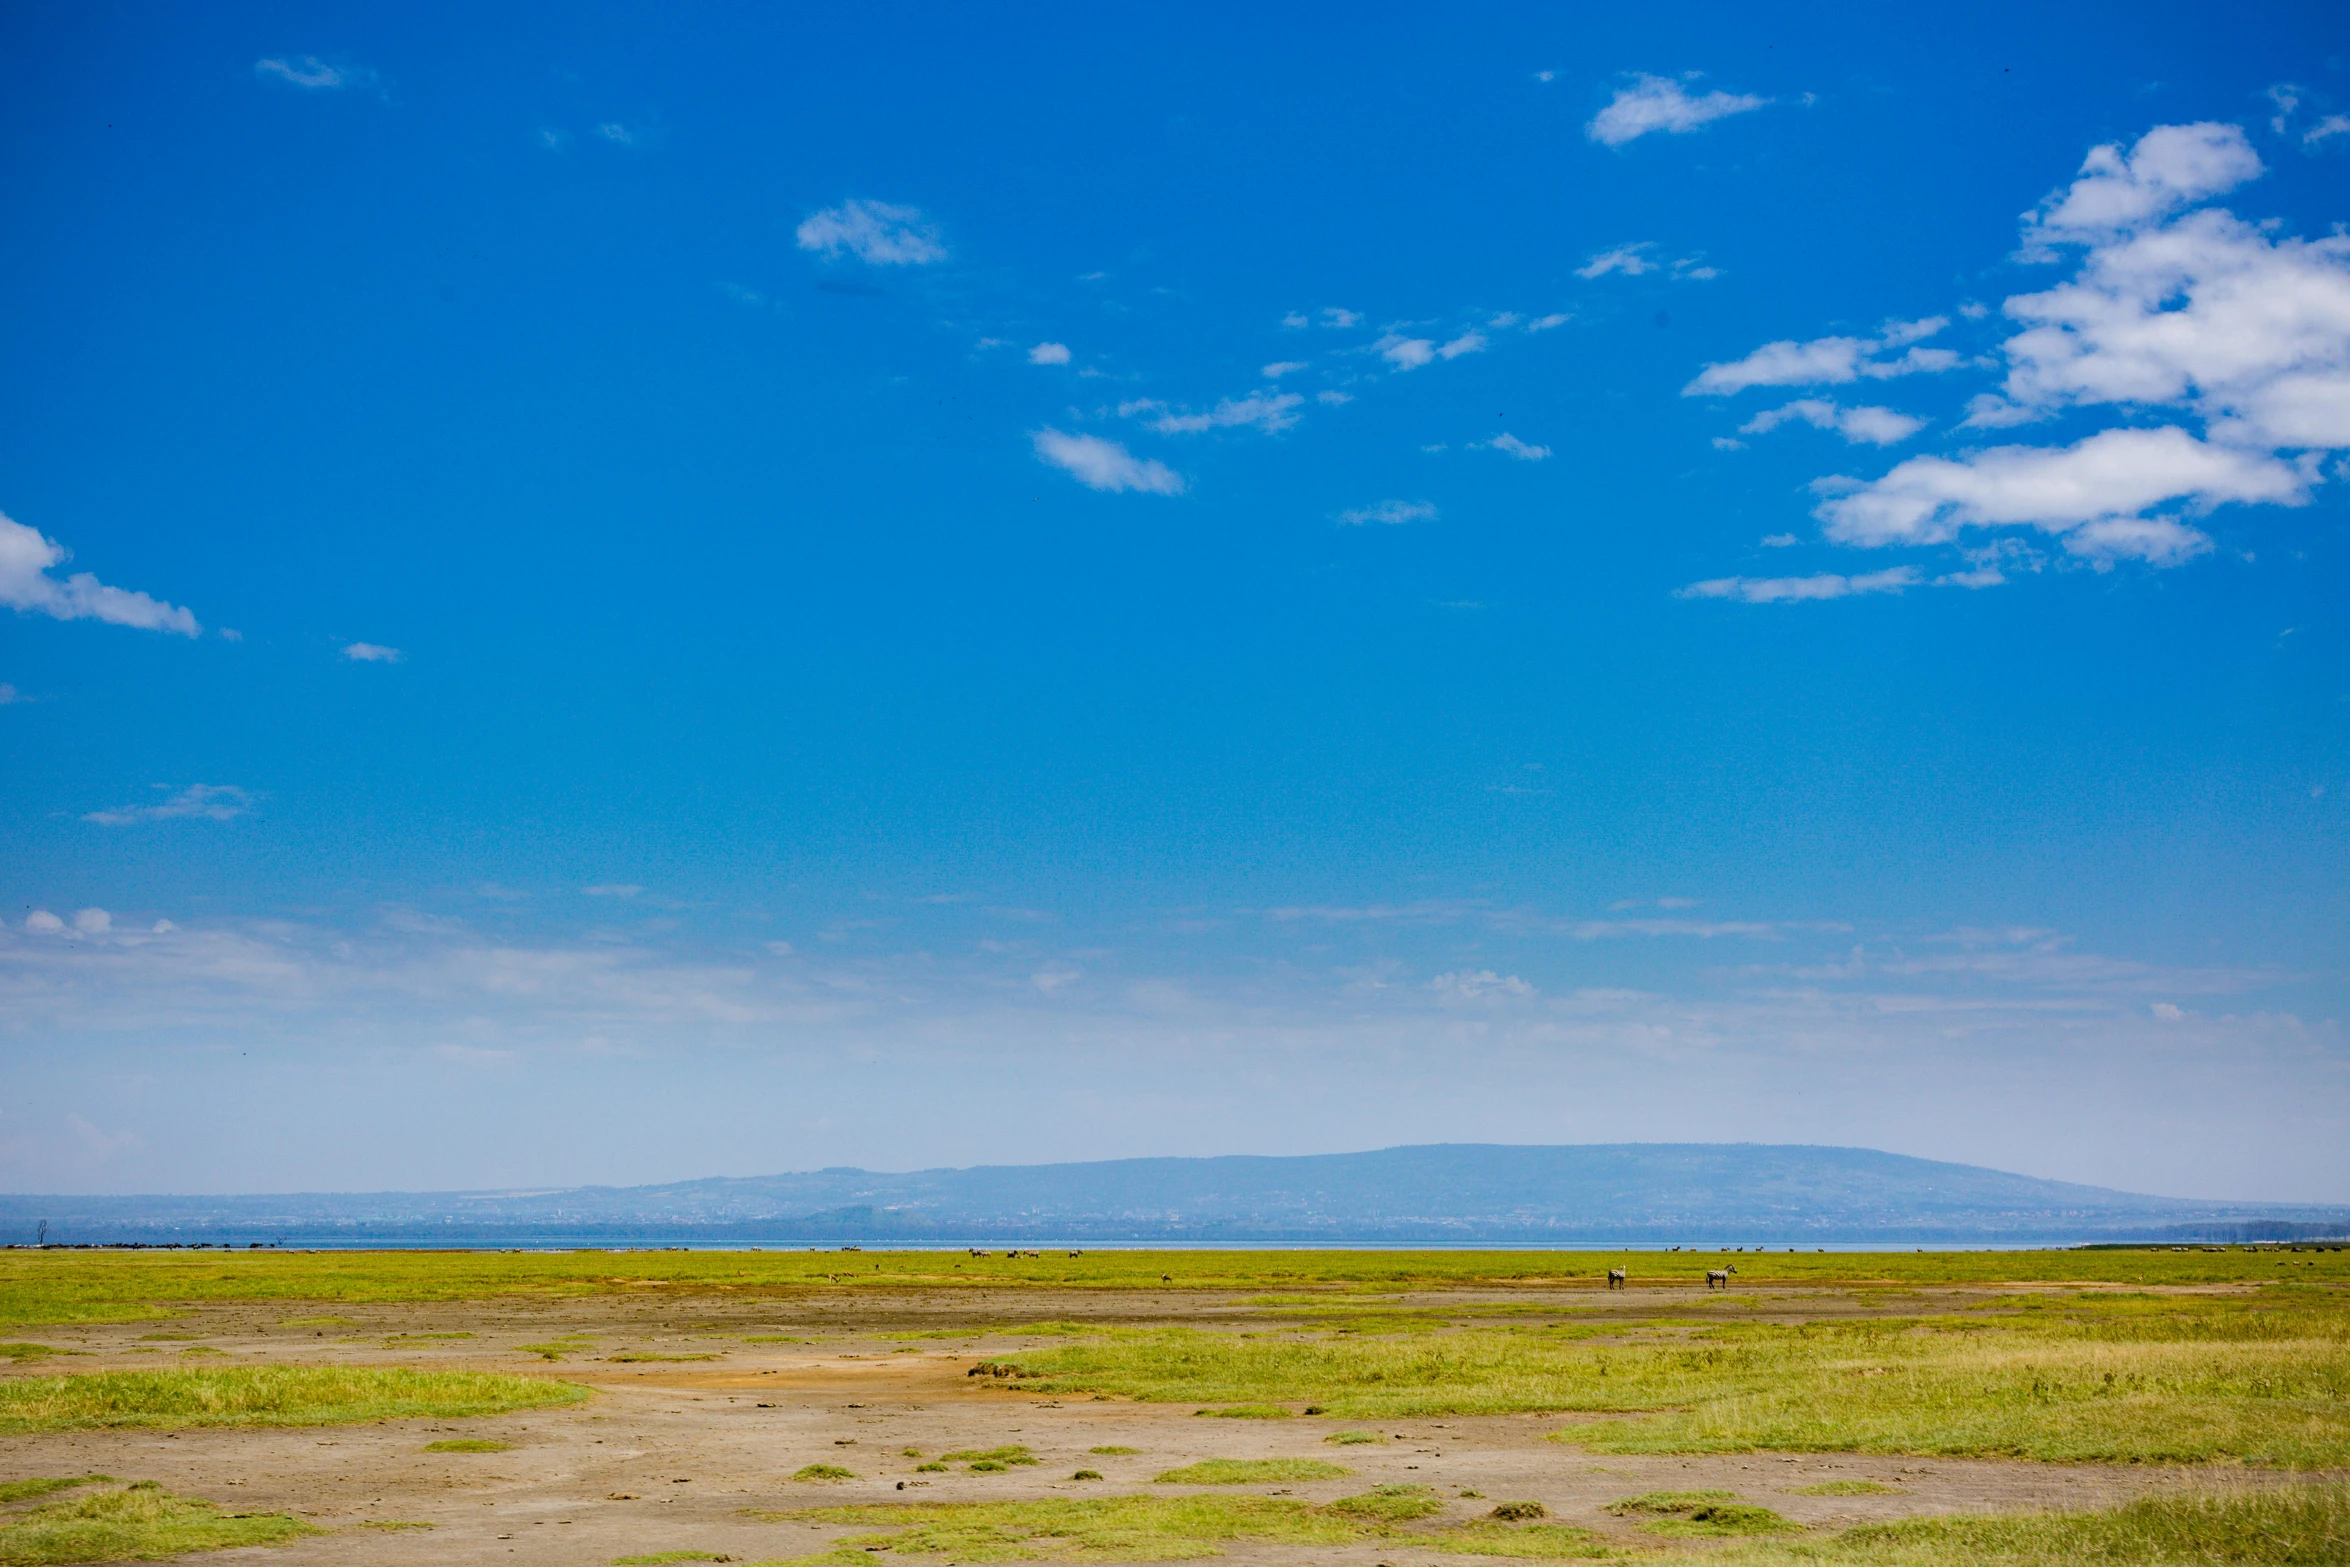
(1448, 1193)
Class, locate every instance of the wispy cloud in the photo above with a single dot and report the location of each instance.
(879, 233)
(1267, 411)
(1636, 261)
(1509, 445)
(372, 653)
(197, 802)
(1392, 513)
(26, 561)
(1798, 590)
(1658, 103)
(1828, 361)
(1049, 354)
(311, 74)
(1410, 353)
(1861, 426)
(1100, 464)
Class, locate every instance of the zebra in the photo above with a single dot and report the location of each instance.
(1719, 1276)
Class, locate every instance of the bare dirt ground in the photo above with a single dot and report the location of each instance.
(669, 1454)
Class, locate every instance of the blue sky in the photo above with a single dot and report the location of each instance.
(601, 596)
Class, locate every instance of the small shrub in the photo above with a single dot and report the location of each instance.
(823, 1472)
(932, 1468)
(1115, 1451)
(1519, 1512)
(988, 1466)
(1087, 1474)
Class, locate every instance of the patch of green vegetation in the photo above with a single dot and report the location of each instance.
(556, 1349)
(1701, 1514)
(1391, 1503)
(2260, 1376)
(934, 1467)
(1353, 1438)
(140, 1523)
(1535, 1541)
(1114, 1451)
(2292, 1526)
(1252, 1471)
(469, 1444)
(823, 1472)
(33, 1351)
(646, 1354)
(1246, 1412)
(175, 1338)
(318, 1322)
(14, 1491)
(203, 1349)
(999, 1456)
(266, 1396)
(1847, 1488)
(1087, 1474)
(1086, 1529)
(1518, 1512)
(773, 1338)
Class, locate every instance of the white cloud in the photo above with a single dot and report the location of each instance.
(1269, 412)
(200, 802)
(2206, 313)
(93, 922)
(879, 233)
(2095, 488)
(1390, 512)
(1334, 399)
(312, 74)
(44, 923)
(1545, 323)
(26, 559)
(372, 653)
(1049, 354)
(1828, 361)
(1104, 465)
(1296, 319)
(1778, 541)
(1471, 342)
(1631, 260)
(1281, 367)
(2172, 166)
(2332, 125)
(1524, 451)
(1405, 353)
(613, 889)
(10, 696)
(617, 134)
(1869, 426)
(1796, 590)
(1479, 985)
(1658, 103)
(1338, 319)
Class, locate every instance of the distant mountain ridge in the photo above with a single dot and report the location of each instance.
(1445, 1193)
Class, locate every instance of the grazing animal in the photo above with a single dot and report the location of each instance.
(1721, 1276)
(1615, 1278)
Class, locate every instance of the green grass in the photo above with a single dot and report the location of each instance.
(823, 1472)
(141, 1523)
(1848, 1488)
(265, 1396)
(1156, 1529)
(2297, 1526)
(469, 1444)
(1701, 1514)
(772, 1338)
(1114, 1451)
(934, 1467)
(1353, 1438)
(14, 1491)
(556, 1349)
(76, 1287)
(1247, 1412)
(33, 1351)
(318, 1322)
(999, 1456)
(2260, 1377)
(635, 1355)
(1391, 1503)
(1251, 1471)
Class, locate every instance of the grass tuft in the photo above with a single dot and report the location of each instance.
(1114, 1451)
(1391, 1503)
(1353, 1438)
(1701, 1514)
(266, 1396)
(14, 1491)
(1848, 1488)
(1519, 1512)
(1247, 1412)
(469, 1444)
(1252, 1471)
(823, 1472)
(996, 1458)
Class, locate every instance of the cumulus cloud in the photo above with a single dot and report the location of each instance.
(1049, 354)
(1861, 426)
(1410, 353)
(1829, 361)
(1510, 445)
(1392, 513)
(372, 653)
(1281, 367)
(1658, 103)
(26, 585)
(2092, 492)
(879, 233)
(2172, 166)
(311, 74)
(1099, 464)
(2324, 130)
(197, 802)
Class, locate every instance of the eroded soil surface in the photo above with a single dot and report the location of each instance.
(673, 1454)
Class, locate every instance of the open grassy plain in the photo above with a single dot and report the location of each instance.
(1392, 1408)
